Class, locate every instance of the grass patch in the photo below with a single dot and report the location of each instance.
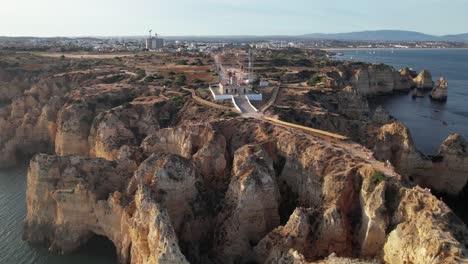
(314, 80)
(178, 100)
(378, 177)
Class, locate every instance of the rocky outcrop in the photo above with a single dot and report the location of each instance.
(128, 125)
(394, 143)
(440, 91)
(423, 80)
(418, 238)
(445, 173)
(251, 206)
(381, 116)
(71, 199)
(377, 79)
(449, 169)
(201, 142)
(75, 119)
(374, 79)
(289, 196)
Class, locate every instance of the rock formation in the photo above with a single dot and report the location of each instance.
(423, 80)
(444, 173)
(374, 79)
(381, 116)
(165, 211)
(440, 91)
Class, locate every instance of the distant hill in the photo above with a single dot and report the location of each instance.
(459, 37)
(377, 35)
(386, 35)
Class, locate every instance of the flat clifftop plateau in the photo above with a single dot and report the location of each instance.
(129, 155)
(238, 191)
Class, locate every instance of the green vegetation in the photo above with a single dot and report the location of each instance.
(180, 80)
(140, 74)
(149, 78)
(314, 80)
(303, 63)
(378, 177)
(178, 101)
(279, 62)
(182, 62)
(171, 73)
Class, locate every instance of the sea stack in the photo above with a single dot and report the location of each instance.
(423, 80)
(440, 91)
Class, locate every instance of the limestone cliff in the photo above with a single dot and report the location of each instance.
(70, 199)
(423, 80)
(445, 173)
(277, 196)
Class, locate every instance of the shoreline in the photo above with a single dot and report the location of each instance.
(338, 49)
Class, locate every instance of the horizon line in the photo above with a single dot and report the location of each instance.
(214, 35)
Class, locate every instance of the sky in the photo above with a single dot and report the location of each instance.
(227, 17)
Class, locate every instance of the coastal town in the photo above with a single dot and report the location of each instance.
(187, 44)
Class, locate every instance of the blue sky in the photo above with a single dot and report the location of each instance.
(223, 17)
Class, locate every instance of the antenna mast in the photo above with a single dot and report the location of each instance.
(251, 63)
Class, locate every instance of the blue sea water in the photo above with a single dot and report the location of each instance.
(430, 122)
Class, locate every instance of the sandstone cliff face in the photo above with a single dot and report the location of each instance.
(70, 199)
(446, 173)
(378, 79)
(423, 80)
(395, 144)
(251, 206)
(440, 91)
(284, 196)
(75, 119)
(375, 79)
(428, 235)
(29, 122)
(128, 125)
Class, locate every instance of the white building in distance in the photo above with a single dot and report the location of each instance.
(154, 43)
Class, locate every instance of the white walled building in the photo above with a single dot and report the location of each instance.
(154, 43)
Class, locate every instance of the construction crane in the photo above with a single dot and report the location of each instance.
(250, 70)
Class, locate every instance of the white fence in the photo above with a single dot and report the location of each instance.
(254, 97)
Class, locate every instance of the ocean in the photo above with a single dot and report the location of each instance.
(430, 122)
(13, 250)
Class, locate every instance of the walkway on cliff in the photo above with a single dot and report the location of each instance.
(244, 105)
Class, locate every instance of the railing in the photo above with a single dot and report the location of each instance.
(235, 105)
(206, 103)
(272, 99)
(250, 103)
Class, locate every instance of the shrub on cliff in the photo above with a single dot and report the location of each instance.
(378, 177)
(180, 80)
(314, 80)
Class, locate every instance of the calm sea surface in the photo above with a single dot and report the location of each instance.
(12, 213)
(429, 122)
